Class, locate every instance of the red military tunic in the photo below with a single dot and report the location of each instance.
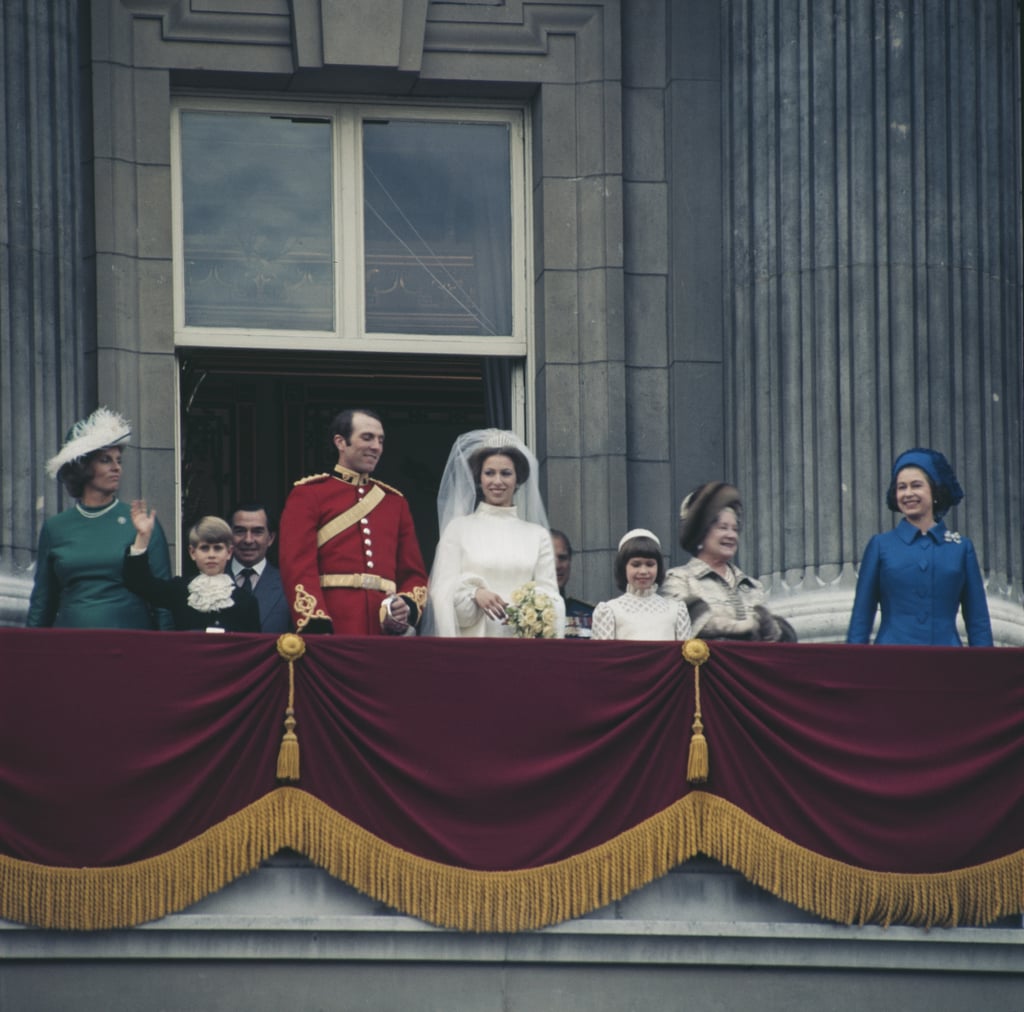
(367, 551)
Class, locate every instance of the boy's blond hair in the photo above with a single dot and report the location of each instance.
(212, 530)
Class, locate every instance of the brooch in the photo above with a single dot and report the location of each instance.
(953, 536)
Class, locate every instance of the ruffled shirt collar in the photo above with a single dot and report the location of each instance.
(211, 593)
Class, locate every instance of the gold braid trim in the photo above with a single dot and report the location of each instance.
(90, 899)
(418, 594)
(306, 608)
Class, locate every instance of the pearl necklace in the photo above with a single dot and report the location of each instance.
(93, 515)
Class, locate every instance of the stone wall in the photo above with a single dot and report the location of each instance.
(769, 245)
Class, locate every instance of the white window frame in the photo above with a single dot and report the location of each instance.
(349, 333)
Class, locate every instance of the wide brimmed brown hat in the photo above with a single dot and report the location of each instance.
(698, 510)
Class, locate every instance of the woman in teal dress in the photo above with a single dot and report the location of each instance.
(78, 581)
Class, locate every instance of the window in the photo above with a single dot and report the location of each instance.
(256, 241)
(437, 225)
(355, 227)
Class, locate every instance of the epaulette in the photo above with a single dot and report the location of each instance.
(310, 478)
(387, 488)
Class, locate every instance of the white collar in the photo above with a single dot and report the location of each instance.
(646, 592)
(237, 567)
(497, 511)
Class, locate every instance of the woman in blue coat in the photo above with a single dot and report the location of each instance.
(920, 572)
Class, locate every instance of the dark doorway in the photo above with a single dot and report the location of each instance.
(253, 423)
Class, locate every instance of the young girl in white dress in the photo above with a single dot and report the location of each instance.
(640, 614)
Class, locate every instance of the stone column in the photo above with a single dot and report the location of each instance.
(47, 342)
(873, 291)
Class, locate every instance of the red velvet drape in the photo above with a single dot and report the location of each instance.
(117, 746)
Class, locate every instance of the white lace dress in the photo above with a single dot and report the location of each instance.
(641, 615)
(492, 548)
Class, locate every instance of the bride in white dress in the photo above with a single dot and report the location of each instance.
(494, 537)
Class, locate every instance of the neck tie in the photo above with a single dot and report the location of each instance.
(247, 575)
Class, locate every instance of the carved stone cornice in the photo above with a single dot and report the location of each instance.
(527, 34)
(383, 35)
(266, 23)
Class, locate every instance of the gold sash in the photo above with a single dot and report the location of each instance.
(343, 521)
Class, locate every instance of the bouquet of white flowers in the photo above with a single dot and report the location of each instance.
(531, 613)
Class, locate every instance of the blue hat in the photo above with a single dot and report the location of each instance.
(934, 464)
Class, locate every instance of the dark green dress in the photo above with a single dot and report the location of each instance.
(78, 581)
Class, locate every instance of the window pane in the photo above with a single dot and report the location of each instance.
(256, 193)
(437, 219)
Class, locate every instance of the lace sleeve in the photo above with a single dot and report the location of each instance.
(604, 622)
(682, 622)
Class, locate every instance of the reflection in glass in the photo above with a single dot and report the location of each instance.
(256, 195)
(438, 219)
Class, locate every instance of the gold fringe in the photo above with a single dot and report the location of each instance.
(89, 899)
(291, 647)
(696, 652)
(850, 895)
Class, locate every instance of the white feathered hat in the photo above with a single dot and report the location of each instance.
(102, 428)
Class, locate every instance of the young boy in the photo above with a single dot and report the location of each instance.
(209, 601)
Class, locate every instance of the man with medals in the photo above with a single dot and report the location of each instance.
(579, 615)
(349, 558)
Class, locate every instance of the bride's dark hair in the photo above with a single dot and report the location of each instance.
(459, 492)
(518, 458)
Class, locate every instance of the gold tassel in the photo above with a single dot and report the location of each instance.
(697, 762)
(288, 756)
(291, 647)
(696, 652)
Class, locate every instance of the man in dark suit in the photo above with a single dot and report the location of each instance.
(254, 530)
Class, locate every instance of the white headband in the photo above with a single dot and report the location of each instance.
(639, 532)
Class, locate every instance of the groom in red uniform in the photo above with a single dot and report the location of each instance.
(350, 562)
